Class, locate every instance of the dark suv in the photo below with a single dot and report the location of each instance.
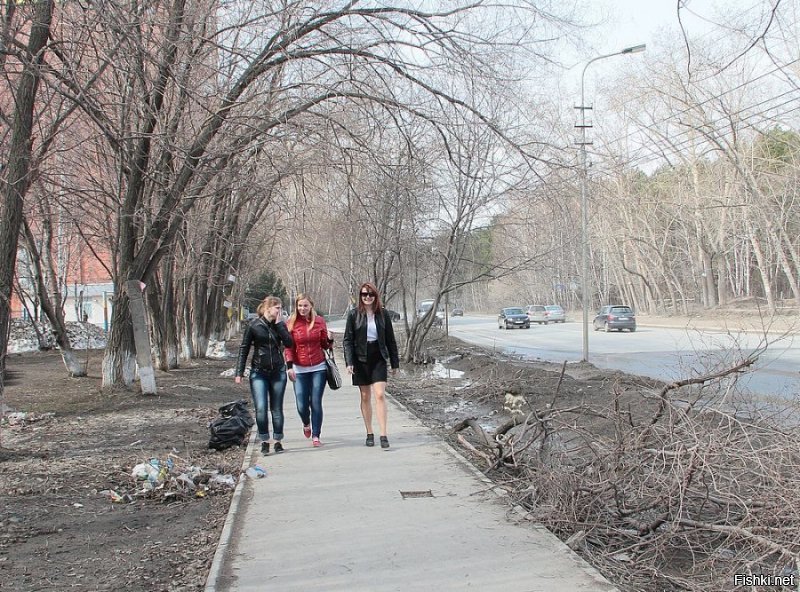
(615, 316)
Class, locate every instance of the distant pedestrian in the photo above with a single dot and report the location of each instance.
(369, 345)
(305, 361)
(268, 336)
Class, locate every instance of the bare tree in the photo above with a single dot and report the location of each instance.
(17, 172)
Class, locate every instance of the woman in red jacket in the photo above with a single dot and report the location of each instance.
(305, 361)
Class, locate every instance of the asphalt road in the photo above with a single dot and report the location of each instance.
(665, 353)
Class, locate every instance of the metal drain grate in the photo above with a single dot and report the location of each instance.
(413, 494)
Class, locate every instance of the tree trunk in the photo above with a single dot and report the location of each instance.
(170, 344)
(154, 297)
(47, 286)
(709, 282)
(119, 361)
(17, 172)
(763, 268)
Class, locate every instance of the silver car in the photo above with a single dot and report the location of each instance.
(544, 314)
(555, 314)
(537, 313)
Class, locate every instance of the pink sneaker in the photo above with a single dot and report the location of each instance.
(316, 443)
(307, 431)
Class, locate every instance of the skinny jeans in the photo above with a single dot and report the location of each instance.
(308, 390)
(268, 389)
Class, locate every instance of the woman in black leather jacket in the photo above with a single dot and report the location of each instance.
(267, 335)
(369, 344)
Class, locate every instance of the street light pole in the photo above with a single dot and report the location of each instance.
(584, 197)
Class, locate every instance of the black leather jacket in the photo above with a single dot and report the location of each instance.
(268, 340)
(354, 341)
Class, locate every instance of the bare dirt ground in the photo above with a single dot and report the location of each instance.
(73, 516)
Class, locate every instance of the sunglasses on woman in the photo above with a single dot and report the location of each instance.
(368, 294)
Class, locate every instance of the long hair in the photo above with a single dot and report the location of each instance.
(376, 303)
(267, 303)
(312, 315)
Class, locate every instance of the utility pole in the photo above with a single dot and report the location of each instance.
(583, 142)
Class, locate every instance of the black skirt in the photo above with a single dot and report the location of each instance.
(374, 370)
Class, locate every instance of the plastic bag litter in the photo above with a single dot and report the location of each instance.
(231, 426)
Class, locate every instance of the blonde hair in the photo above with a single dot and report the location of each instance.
(267, 303)
(312, 313)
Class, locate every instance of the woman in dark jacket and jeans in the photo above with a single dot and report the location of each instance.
(267, 335)
(369, 344)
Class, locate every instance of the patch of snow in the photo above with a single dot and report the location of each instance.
(22, 336)
(216, 350)
(439, 370)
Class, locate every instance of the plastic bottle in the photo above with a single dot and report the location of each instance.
(256, 472)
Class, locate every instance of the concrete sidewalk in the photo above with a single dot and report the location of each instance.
(415, 517)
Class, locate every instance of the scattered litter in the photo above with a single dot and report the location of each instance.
(170, 480)
(21, 418)
(227, 480)
(115, 497)
(256, 472)
(231, 372)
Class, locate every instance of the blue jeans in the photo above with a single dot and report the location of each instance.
(308, 389)
(267, 389)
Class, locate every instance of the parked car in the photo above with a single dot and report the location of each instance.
(424, 306)
(513, 317)
(555, 314)
(537, 313)
(457, 312)
(615, 317)
(393, 315)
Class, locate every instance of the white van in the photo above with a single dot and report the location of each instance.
(424, 306)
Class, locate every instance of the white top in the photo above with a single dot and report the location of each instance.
(303, 369)
(372, 328)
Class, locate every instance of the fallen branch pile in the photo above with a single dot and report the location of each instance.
(676, 491)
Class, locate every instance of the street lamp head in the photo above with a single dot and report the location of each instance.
(634, 49)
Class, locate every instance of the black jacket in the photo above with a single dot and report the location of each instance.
(355, 338)
(268, 340)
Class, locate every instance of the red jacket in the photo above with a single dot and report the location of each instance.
(308, 342)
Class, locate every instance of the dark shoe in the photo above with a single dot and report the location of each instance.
(265, 448)
(370, 440)
(278, 447)
(384, 442)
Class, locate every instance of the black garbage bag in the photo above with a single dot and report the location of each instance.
(231, 426)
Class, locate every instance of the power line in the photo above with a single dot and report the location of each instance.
(676, 147)
(715, 97)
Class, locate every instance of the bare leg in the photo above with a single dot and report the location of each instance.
(366, 406)
(380, 405)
